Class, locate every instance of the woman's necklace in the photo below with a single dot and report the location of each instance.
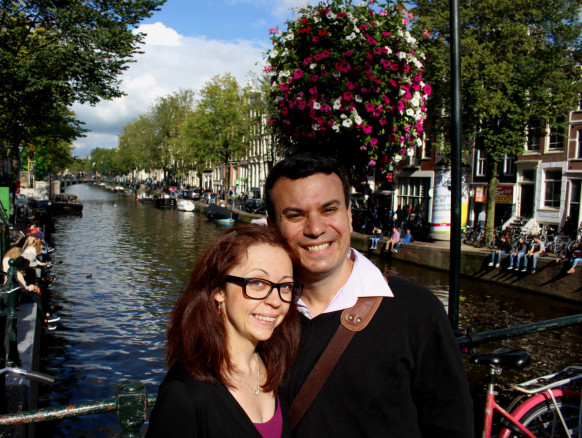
(258, 390)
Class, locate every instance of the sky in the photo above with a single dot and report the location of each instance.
(187, 43)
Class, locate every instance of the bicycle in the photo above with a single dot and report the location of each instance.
(545, 409)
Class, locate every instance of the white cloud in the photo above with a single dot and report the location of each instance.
(170, 61)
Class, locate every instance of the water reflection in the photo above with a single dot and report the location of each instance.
(121, 266)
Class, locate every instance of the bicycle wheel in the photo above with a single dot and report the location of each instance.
(540, 416)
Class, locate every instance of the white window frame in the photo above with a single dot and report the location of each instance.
(579, 145)
(480, 163)
(509, 165)
(552, 181)
(552, 145)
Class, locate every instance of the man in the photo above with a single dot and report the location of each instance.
(537, 249)
(405, 240)
(402, 376)
(482, 218)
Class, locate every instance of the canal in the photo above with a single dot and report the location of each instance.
(121, 265)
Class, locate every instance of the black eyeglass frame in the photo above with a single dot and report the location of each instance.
(244, 281)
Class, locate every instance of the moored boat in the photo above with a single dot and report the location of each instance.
(221, 214)
(65, 203)
(186, 205)
(165, 202)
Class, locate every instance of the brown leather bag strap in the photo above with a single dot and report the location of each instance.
(353, 320)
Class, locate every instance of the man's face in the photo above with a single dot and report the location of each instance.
(312, 215)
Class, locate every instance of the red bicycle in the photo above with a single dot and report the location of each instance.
(544, 409)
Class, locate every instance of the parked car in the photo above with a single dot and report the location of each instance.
(254, 206)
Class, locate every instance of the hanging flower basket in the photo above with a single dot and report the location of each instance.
(339, 69)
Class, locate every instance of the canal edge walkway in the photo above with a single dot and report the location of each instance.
(550, 278)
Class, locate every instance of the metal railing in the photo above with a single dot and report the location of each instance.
(132, 400)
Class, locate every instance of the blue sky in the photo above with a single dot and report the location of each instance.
(187, 43)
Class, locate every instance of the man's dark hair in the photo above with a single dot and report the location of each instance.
(301, 166)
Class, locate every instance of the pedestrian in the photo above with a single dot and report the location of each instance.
(404, 240)
(518, 252)
(394, 239)
(402, 375)
(481, 219)
(501, 247)
(574, 260)
(375, 237)
(232, 335)
(537, 249)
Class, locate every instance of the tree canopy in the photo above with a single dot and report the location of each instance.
(520, 63)
(54, 53)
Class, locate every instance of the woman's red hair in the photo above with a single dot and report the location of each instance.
(197, 334)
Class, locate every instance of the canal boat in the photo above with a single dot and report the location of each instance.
(186, 205)
(162, 202)
(65, 203)
(221, 214)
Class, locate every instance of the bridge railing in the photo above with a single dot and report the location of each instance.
(132, 400)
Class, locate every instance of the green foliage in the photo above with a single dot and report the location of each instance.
(54, 53)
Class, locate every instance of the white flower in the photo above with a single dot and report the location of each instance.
(315, 126)
(343, 116)
(335, 127)
(358, 120)
(402, 91)
(415, 101)
(358, 98)
(273, 53)
(312, 65)
(289, 36)
(284, 73)
(331, 15)
(278, 99)
(349, 37)
(401, 55)
(336, 74)
(419, 142)
(389, 50)
(347, 123)
(316, 19)
(337, 104)
(410, 112)
(316, 105)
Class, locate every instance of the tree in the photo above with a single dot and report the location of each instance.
(520, 69)
(347, 81)
(221, 123)
(54, 53)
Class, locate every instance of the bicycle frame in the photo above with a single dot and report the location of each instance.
(491, 406)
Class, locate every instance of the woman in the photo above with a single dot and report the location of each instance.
(12, 254)
(232, 335)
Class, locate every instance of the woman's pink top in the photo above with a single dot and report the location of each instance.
(274, 427)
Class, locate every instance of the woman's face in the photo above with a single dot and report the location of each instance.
(255, 320)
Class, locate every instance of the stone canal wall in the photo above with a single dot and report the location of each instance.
(549, 279)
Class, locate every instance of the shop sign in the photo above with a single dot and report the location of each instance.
(504, 195)
(480, 194)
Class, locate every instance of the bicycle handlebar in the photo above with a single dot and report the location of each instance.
(32, 375)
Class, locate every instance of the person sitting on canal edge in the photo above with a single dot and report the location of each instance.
(404, 240)
(394, 239)
(501, 248)
(574, 260)
(537, 249)
(375, 237)
(519, 251)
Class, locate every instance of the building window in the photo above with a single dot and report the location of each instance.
(556, 136)
(579, 145)
(553, 188)
(509, 165)
(413, 192)
(480, 163)
(425, 148)
(528, 175)
(534, 138)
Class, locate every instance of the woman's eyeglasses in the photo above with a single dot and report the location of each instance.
(260, 289)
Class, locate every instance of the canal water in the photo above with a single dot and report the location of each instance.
(121, 266)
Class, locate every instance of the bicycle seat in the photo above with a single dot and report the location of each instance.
(505, 358)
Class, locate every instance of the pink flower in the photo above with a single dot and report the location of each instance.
(385, 34)
(350, 85)
(314, 78)
(426, 33)
(400, 105)
(371, 40)
(307, 60)
(325, 54)
(271, 120)
(301, 104)
(363, 148)
(298, 73)
(313, 90)
(348, 53)
(407, 128)
(427, 89)
(283, 87)
(373, 141)
(371, 163)
(268, 68)
(370, 107)
(273, 30)
(315, 39)
(386, 99)
(348, 95)
(419, 127)
(367, 129)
